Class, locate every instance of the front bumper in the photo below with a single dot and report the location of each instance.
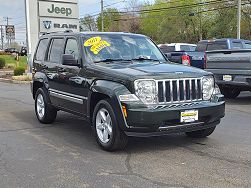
(166, 119)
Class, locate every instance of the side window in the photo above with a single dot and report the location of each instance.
(248, 45)
(56, 50)
(72, 48)
(237, 45)
(41, 49)
(201, 47)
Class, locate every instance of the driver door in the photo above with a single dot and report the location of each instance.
(73, 85)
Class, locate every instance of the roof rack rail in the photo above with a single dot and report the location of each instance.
(66, 31)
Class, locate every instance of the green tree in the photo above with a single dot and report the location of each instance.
(246, 22)
(170, 21)
(223, 23)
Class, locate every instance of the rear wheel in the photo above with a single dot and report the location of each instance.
(106, 129)
(201, 133)
(230, 93)
(45, 112)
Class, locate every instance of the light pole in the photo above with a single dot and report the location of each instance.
(102, 16)
(239, 19)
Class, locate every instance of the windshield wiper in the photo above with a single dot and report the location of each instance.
(112, 60)
(142, 58)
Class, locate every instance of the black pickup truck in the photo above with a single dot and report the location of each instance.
(124, 86)
(186, 56)
(232, 70)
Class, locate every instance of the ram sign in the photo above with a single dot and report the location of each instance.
(45, 16)
(48, 25)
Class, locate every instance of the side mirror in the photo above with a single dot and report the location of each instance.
(68, 59)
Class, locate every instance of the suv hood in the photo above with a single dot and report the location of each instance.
(153, 70)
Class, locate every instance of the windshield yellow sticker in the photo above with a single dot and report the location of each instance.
(96, 48)
(97, 44)
(92, 41)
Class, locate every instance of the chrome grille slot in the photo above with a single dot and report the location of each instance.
(179, 90)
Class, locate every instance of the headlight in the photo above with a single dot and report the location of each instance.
(208, 87)
(146, 91)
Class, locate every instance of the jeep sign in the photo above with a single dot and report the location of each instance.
(60, 10)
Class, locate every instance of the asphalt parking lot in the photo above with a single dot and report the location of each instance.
(65, 154)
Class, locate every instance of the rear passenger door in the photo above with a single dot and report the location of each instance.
(52, 61)
(38, 62)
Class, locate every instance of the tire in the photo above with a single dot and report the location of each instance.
(230, 93)
(45, 112)
(106, 129)
(201, 133)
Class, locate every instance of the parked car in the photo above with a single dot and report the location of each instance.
(23, 51)
(124, 86)
(232, 70)
(183, 53)
(11, 50)
(222, 44)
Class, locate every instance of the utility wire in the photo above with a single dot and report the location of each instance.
(176, 7)
(209, 10)
(207, 3)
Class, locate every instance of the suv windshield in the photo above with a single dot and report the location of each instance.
(104, 47)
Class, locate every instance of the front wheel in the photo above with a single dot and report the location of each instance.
(201, 133)
(106, 129)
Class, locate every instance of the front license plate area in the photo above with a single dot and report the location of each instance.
(227, 78)
(189, 116)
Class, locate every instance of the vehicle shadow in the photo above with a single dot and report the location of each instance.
(75, 132)
(243, 99)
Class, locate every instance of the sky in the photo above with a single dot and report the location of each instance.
(15, 10)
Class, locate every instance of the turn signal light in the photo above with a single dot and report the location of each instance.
(124, 111)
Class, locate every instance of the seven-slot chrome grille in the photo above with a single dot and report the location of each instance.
(179, 90)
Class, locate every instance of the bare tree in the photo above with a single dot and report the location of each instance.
(88, 23)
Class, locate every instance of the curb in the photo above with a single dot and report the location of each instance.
(13, 81)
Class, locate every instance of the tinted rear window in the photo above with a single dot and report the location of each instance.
(166, 49)
(217, 46)
(201, 47)
(187, 48)
(42, 46)
(237, 45)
